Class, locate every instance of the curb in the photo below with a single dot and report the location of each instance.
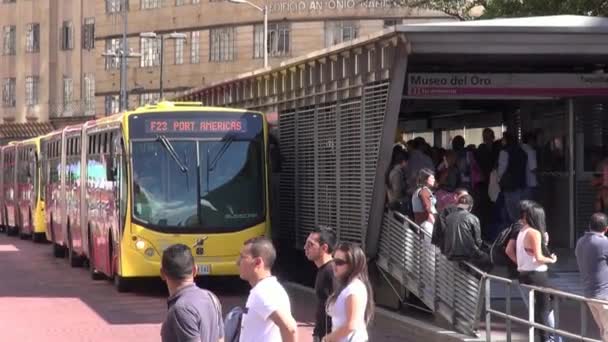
(429, 332)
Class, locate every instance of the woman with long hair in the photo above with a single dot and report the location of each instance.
(532, 264)
(351, 306)
(424, 202)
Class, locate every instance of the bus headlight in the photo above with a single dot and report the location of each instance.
(149, 252)
(140, 244)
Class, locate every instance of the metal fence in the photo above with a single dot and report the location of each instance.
(445, 287)
(457, 291)
(529, 323)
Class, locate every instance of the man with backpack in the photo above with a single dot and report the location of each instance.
(462, 240)
(194, 314)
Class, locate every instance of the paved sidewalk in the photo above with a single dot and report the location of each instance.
(43, 299)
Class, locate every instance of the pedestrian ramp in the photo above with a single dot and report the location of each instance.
(447, 288)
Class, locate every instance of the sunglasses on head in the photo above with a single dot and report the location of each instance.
(340, 262)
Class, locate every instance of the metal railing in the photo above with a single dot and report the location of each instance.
(443, 286)
(457, 290)
(530, 323)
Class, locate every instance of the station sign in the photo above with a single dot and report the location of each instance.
(202, 125)
(500, 86)
(240, 125)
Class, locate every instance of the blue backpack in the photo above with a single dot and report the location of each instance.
(232, 324)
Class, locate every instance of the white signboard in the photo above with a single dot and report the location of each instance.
(316, 6)
(461, 85)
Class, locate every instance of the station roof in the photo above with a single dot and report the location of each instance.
(545, 40)
(554, 23)
(561, 35)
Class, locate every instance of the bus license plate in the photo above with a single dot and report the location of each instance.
(203, 269)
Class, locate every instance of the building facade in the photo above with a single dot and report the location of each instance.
(45, 71)
(59, 58)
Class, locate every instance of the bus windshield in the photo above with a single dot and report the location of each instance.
(219, 187)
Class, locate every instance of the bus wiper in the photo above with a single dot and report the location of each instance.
(227, 142)
(169, 147)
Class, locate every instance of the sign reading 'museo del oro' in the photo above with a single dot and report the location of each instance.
(295, 6)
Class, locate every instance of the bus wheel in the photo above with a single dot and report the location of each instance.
(38, 237)
(95, 275)
(11, 231)
(121, 284)
(73, 258)
(58, 251)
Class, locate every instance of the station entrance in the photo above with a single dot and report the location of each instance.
(568, 134)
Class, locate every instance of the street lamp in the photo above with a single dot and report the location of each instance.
(153, 35)
(119, 52)
(264, 11)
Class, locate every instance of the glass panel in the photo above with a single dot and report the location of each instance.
(231, 183)
(164, 196)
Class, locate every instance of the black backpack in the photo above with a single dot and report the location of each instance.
(498, 254)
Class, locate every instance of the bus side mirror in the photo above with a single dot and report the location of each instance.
(110, 169)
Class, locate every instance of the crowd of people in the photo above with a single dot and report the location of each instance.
(345, 302)
(478, 205)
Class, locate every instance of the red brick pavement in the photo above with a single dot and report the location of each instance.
(43, 299)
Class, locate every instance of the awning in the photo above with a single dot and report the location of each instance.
(25, 130)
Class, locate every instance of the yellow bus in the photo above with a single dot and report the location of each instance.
(30, 204)
(171, 173)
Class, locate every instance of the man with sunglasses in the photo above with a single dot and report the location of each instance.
(319, 247)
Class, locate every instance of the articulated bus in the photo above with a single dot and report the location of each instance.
(30, 205)
(121, 189)
(9, 191)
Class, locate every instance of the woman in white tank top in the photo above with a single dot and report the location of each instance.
(532, 265)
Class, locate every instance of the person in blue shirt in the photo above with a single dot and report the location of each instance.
(592, 258)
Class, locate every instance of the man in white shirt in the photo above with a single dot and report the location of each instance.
(267, 315)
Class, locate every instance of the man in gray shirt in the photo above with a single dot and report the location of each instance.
(195, 315)
(592, 258)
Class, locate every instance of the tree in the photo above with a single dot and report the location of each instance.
(461, 9)
(527, 8)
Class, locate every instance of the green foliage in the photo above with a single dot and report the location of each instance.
(512, 8)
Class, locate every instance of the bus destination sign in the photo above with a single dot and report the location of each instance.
(196, 125)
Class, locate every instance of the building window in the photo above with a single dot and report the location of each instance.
(88, 34)
(31, 90)
(149, 4)
(148, 98)
(68, 90)
(9, 37)
(150, 52)
(337, 32)
(67, 41)
(115, 6)
(179, 51)
(8, 92)
(89, 94)
(112, 104)
(8, 1)
(195, 47)
(112, 46)
(278, 40)
(221, 43)
(32, 37)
